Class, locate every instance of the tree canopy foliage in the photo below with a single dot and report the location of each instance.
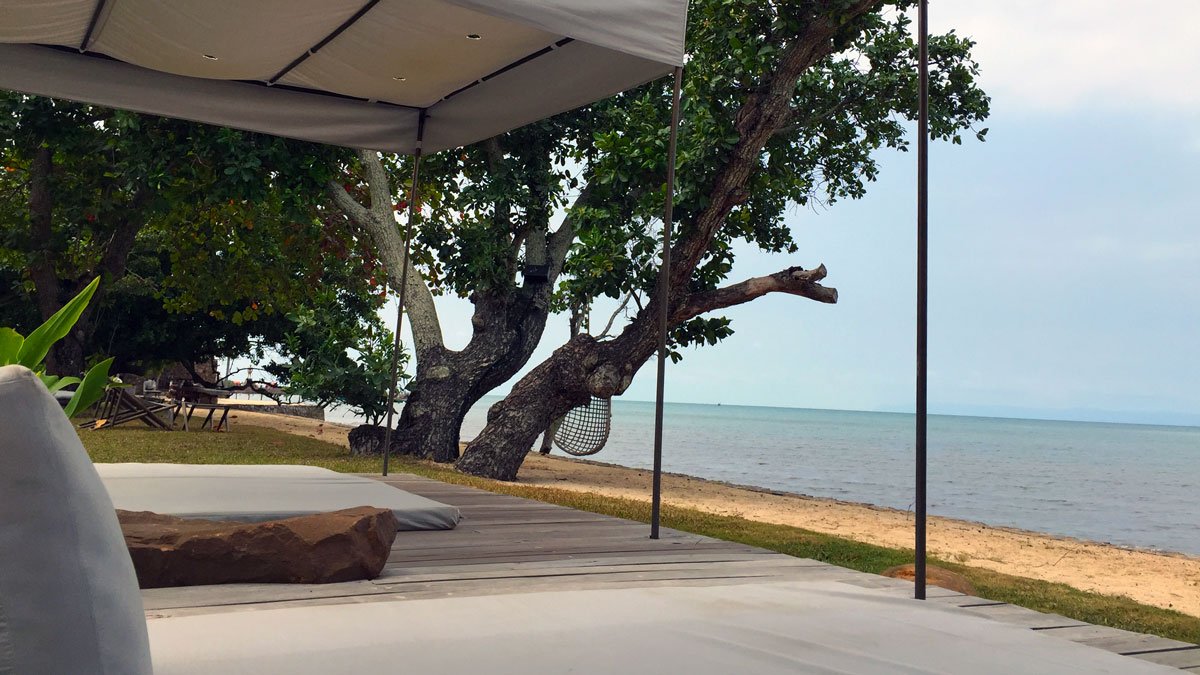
(205, 238)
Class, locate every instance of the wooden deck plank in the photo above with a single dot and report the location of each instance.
(1184, 657)
(640, 560)
(762, 568)
(1020, 616)
(1115, 639)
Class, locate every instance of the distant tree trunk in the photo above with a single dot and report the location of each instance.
(579, 316)
(67, 357)
(548, 436)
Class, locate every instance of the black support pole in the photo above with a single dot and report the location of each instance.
(408, 230)
(922, 292)
(664, 306)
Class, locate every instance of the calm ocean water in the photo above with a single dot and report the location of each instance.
(1127, 484)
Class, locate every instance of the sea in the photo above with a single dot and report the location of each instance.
(1126, 484)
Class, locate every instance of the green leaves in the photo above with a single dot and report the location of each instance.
(90, 389)
(10, 346)
(37, 345)
(31, 351)
(189, 223)
(339, 360)
(54, 382)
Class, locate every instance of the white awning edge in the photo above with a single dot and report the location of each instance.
(651, 29)
(321, 118)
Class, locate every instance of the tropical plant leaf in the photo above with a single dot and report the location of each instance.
(10, 345)
(91, 389)
(38, 344)
(54, 382)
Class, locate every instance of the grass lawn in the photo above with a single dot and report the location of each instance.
(257, 445)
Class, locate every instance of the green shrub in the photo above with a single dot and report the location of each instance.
(31, 352)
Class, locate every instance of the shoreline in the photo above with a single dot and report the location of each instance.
(1160, 578)
(875, 507)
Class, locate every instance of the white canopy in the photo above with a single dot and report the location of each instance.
(346, 72)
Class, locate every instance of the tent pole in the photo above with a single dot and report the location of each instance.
(922, 293)
(664, 305)
(408, 231)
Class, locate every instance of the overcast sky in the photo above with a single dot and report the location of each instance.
(1065, 251)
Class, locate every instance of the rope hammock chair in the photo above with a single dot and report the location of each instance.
(584, 430)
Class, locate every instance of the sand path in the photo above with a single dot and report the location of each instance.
(1160, 579)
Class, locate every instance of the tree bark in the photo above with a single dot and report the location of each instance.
(507, 330)
(41, 233)
(67, 356)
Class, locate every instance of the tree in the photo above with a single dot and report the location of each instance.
(784, 105)
(333, 360)
(200, 234)
(487, 213)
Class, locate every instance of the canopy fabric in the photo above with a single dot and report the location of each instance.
(346, 72)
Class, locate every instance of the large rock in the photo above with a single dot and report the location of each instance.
(328, 547)
(934, 576)
(367, 439)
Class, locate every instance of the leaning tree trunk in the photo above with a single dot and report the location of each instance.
(580, 369)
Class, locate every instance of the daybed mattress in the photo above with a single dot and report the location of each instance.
(806, 627)
(262, 492)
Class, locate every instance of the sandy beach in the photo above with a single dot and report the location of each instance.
(1160, 579)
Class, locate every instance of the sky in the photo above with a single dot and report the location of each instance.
(1064, 251)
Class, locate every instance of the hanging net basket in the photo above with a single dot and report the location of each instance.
(584, 430)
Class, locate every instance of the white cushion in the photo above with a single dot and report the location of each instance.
(69, 599)
(252, 493)
(763, 629)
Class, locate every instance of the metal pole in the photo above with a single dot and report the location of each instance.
(664, 306)
(408, 230)
(922, 291)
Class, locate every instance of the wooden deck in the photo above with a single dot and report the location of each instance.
(511, 545)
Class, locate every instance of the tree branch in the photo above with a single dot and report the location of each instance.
(613, 317)
(422, 313)
(116, 253)
(793, 280)
(559, 243)
(378, 184)
(342, 199)
(801, 119)
(764, 112)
